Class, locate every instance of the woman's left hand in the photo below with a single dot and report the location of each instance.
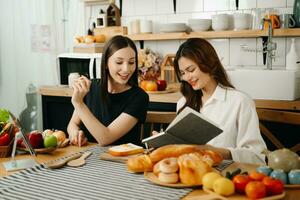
(81, 87)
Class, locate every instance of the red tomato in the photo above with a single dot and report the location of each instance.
(273, 186)
(257, 176)
(240, 181)
(255, 190)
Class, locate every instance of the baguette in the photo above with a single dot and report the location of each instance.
(173, 150)
(125, 150)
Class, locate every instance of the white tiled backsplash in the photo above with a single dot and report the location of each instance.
(229, 50)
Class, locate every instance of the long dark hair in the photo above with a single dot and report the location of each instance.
(204, 55)
(114, 44)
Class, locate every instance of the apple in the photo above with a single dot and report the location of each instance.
(161, 85)
(294, 176)
(279, 174)
(36, 139)
(50, 141)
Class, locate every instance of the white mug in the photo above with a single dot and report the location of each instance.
(146, 26)
(72, 78)
(242, 21)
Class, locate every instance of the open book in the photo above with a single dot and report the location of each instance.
(189, 127)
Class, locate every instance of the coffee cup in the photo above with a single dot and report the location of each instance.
(287, 21)
(72, 78)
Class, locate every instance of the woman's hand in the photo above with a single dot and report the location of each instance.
(224, 152)
(81, 87)
(78, 138)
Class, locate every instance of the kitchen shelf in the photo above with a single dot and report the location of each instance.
(215, 34)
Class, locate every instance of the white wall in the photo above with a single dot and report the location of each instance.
(20, 64)
(161, 11)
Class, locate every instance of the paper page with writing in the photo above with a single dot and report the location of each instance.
(189, 127)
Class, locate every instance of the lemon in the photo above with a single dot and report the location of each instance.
(209, 178)
(223, 186)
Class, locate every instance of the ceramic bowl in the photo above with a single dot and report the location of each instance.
(199, 24)
(172, 27)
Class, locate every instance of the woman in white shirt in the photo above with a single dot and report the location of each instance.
(206, 88)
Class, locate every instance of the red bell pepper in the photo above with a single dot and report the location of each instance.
(4, 139)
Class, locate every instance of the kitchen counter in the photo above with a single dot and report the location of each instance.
(65, 91)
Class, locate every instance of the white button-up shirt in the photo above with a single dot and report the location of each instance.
(235, 113)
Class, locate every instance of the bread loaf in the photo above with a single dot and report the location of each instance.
(175, 150)
(141, 163)
(192, 168)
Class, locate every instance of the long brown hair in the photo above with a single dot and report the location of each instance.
(204, 55)
(114, 44)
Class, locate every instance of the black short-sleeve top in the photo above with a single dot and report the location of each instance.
(133, 101)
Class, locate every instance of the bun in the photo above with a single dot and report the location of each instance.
(192, 168)
(125, 150)
(141, 163)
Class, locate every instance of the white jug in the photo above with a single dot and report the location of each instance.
(292, 58)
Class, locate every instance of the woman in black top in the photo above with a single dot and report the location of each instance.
(111, 109)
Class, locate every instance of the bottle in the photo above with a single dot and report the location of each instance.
(292, 58)
(296, 12)
(28, 116)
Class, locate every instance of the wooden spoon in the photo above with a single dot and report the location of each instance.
(80, 161)
(62, 162)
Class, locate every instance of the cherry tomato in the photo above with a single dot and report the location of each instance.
(257, 176)
(240, 181)
(255, 190)
(273, 186)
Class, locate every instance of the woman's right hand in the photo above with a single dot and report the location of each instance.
(78, 138)
(81, 87)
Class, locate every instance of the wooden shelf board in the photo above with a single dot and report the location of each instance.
(215, 34)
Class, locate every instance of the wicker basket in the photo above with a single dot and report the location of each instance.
(5, 151)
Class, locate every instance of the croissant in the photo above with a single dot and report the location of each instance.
(141, 163)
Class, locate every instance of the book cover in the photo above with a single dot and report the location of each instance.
(189, 127)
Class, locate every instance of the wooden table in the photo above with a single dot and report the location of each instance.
(196, 194)
(42, 158)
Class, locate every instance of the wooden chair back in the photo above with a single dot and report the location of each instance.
(278, 116)
(157, 121)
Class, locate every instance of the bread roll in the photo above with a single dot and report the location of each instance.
(140, 163)
(192, 168)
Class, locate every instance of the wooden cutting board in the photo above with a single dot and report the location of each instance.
(121, 159)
